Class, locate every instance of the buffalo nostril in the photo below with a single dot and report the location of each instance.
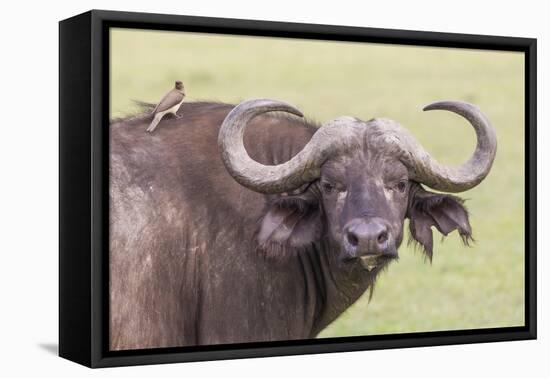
(382, 237)
(352, 239)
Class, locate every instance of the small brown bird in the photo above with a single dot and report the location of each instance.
(170, 103)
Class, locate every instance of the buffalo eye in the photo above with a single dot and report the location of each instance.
(401, 186)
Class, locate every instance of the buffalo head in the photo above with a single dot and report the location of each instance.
(355, 183)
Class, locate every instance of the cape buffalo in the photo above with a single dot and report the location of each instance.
(218, 235)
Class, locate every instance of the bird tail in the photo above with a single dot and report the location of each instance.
(154, 123)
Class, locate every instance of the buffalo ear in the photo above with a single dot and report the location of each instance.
(289, 223)
(446, 212)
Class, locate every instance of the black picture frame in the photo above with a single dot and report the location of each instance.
(83, 181)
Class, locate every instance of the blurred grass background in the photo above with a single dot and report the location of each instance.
(464, 288)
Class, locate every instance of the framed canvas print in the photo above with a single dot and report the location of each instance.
(234, 188)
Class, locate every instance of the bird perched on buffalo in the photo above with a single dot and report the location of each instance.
(170, 103)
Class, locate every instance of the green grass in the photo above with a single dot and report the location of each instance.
(464, 288)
